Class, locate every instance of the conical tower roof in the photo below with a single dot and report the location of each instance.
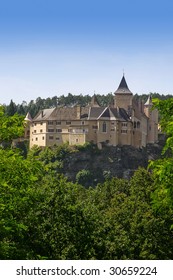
(94, 101)
(149, 101)
(123, 87)
(28, 117)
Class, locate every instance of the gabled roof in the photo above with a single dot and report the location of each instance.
(43, 114)
(90, 113)
(123, 88)
(109, 113)
(120, 114)
(61, 113)
(95, 112)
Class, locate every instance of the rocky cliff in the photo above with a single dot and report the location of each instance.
(116, 161)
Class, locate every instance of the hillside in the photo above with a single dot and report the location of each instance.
(117, 161)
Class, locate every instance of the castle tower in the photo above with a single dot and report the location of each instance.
(28, 121)
(94, 101)
(123, 96)
(152, 115)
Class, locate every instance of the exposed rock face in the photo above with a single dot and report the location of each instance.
(117, 161)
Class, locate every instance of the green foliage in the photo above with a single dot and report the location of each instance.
(11, 127)
(163, 169)
(166, 120)
(84, 177)
(44, 216)
(88, 147)
(18, 180)
(129, 228)
(63, 228)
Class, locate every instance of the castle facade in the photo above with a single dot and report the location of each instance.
(125, 122)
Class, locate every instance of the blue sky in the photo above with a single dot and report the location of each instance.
(50, 47)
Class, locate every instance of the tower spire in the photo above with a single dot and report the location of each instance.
(123, 96)
(123, 83)
(149, 100)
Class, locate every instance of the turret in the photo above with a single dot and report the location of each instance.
(94, 101)
(123, 96)
(28, 121)
(152, 115)
(148, 106)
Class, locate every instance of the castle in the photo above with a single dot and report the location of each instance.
(125, 122)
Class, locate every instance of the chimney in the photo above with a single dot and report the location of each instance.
(78, 109)
(141, 105)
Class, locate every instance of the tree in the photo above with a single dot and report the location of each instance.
(62, 228)
(163, 168)
(18, 194)
(11, 108)
(128, 227)
(84, 177)
(11, 127)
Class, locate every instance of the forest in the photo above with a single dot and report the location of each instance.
(43, 215)
(70, 100)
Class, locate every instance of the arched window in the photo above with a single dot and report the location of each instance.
(134, 124)
(138, 124)
(104, 127)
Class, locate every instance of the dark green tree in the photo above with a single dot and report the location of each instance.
(11, 109)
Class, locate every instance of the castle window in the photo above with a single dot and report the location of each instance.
(124, 131)
(58, 130)
(104, 127)
(134, 124)
(94, 127)
(58, 122)
(36, 139)
(35, 131)
(138, 124)
(41, 130)
(50, 122)
(50, 130)
(43, 138)
(124, 124)
(67, 122)
(51, 137)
